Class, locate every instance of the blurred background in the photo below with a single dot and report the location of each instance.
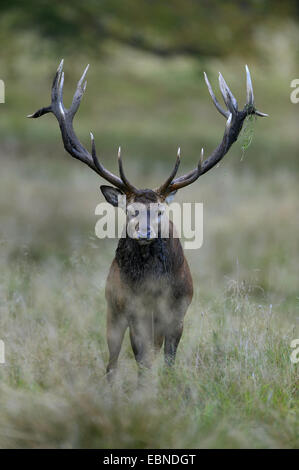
(146, 92)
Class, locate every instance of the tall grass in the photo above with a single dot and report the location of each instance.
(234, 384)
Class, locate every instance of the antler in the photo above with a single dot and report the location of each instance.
(234, 123)
(71, 142)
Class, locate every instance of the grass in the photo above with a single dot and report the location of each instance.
(234, 384)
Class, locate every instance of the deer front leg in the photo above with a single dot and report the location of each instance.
(116, 327)
(172, 339)
(174, 320)
(141, 341)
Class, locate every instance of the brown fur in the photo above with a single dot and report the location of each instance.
(149, 289)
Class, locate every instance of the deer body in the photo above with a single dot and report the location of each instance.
(149, 289)
(149, 286)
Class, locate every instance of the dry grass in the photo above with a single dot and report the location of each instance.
(234, 384)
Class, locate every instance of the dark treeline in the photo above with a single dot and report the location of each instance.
(191, 27)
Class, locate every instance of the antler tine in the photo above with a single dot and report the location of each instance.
(201, 157)
(163, 188)
(233, 126)
(127, 183)
(189, 178)
(115, 180)
(250, 95)
(60, 88)
(258, 113)
(57, 106)
(227, 95)
(249, 88)
(215, 101)
(79, 92)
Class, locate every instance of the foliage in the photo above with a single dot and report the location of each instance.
(247, 133)
(166, 28)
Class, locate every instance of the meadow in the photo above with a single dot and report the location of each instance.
(233, 385)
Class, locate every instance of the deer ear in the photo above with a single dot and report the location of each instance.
(112, 195)
(170, 197)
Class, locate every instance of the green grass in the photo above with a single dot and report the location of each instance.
(233, 384)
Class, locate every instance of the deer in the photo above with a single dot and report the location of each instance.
(149, 286)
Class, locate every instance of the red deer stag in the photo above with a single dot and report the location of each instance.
(149, 286)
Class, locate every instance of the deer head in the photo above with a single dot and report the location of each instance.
(146, 228)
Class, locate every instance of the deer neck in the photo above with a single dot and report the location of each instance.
(139, 263)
